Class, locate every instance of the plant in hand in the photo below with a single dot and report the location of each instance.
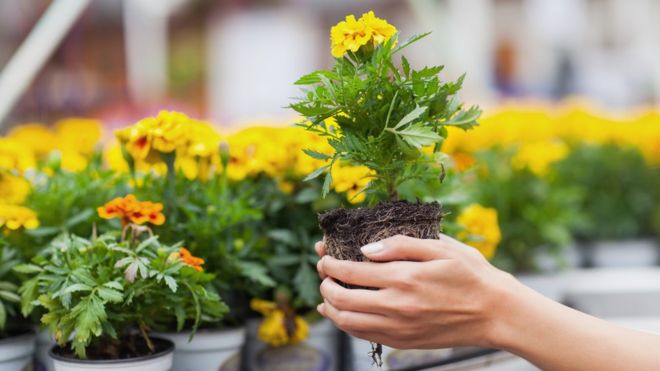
(96, 295)
(389, 119)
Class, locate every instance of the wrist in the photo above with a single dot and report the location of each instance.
(508, 301)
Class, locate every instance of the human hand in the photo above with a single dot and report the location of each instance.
(430, 294)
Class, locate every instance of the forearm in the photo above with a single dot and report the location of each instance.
(555, 337)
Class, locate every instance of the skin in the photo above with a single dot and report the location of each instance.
(443, 293)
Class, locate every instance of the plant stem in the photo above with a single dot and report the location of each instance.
(145, 336)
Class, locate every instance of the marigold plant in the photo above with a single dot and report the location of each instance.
(385, 115)
(95, 294)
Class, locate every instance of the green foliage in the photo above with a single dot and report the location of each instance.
(534, 216)
(616, 191)
(290, 224)
(386, 115)
(66, 202)
(9, 299)
(94, 292)
(218, 221)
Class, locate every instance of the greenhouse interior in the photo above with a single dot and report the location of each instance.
(279, 185)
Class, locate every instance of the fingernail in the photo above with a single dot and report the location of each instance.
(373, 248)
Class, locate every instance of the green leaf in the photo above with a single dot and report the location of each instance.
(410, 41)
(256, 272)
(110, 295)
(419, 136)
(316, 155)
(10, 296)
(316, 173)
(307, 284)
(114, 285)
(326, 183)
(76, 287)
(28, 268)
(406, 66)
(171, 283)
(411, 116)
(315, 77)
(284, 236)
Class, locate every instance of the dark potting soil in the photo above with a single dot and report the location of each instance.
(347, 230)
(129, 347)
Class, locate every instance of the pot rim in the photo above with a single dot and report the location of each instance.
(169, 349)
(25, 333)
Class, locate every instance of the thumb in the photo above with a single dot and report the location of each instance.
(405, 248)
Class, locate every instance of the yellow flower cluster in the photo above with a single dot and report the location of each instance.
(74, 139)
(538, 156)
(540, 133)
(352, 34)
(13, 189)
(195, 143)
(480, 229)
(16, 155)
(275, 151)
(275, 328)
(14, 217)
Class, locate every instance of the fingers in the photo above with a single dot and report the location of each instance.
(377, 275)
(355, 300)
(320, 248)
(354, 321)
(406, 248)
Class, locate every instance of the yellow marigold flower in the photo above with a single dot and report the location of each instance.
(381, 31)
(38, 137)
(14, 217)
(73, 161)
(538, 156)
(114, 159)
(352, 180)
(13, 189)
(15, 155)
(274, 329)
(352, 34)
(348, 35)
(164, 133)
(481, 229)
(78, 134)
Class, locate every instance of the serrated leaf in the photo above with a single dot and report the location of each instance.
(317, 155)
(114, 285)
(410, 117)
(419, 136)
(76, 287)
(131, 271)
(171, 283)
(110, 295)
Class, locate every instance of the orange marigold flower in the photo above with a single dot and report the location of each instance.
(130, 210)
(185, 257)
